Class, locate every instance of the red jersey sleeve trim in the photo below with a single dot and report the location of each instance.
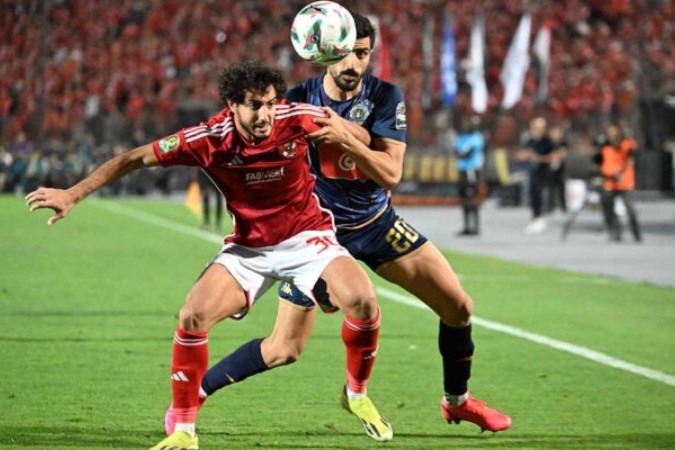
(303, 113)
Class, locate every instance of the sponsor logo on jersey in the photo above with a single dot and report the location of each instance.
(335, 164)
(236, 161)
(400, 116)
(360, 111)
(265, 176)
(169, 144)
(346, 163)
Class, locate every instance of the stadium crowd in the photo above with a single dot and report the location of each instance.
(85, 89)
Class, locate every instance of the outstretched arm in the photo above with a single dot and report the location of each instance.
(61, 201)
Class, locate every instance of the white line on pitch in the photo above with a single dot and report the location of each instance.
(577, 350)
(543, 340)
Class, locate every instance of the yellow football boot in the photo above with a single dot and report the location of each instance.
(376, 426)
(179, 440)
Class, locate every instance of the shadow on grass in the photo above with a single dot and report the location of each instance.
(43, 437)
(65, 339)
(80, 313)
(333, 439)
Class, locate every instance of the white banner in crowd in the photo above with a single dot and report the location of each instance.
(475, 74)
(542, 50)
(516, 63)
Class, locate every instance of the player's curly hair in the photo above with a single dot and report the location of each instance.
(252, 76)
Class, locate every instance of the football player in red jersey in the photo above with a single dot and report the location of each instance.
(255, 150)
(353, 180)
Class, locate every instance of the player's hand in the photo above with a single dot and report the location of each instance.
(333, 129)
(524, 155)
(58, 200)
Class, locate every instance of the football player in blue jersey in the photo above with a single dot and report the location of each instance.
(353, 181)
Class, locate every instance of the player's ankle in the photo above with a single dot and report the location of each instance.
(456, 400)
(188, 428)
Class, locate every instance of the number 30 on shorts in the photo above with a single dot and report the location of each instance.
(401, 236)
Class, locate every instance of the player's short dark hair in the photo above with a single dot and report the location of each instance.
(253, 76)
(364, 28)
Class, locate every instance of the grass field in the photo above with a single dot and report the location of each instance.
(87, 310)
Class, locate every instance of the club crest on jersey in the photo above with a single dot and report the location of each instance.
(169, 144)
(360, 111)
(400, 116)
(288, 150)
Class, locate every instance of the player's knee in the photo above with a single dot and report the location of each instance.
(287, 356)
(362, 305)
(194, 319)
(458, 311)
(466, 307)
(281, 355)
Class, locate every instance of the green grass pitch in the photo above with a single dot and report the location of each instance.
(87, 311)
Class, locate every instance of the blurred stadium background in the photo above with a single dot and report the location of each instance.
(83, 80)
(581, 361)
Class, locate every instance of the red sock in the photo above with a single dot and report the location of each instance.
(188, 365)
(360, 338)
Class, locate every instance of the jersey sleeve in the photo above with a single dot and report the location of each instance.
(173, 150)
(389, 114)
(192, 146)
(304, 115)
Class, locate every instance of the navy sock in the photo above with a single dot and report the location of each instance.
(456, 349)
(245, 361)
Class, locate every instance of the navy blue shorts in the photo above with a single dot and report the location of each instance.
(387, 238)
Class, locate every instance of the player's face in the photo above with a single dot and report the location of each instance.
(348, 72)
(254, 117)
(613, 134)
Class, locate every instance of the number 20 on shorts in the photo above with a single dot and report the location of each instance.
(401, 236)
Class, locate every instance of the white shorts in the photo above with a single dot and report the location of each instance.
(300, 259)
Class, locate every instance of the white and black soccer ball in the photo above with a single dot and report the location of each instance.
(323, 32)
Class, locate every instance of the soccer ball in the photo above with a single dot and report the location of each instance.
(323, 33)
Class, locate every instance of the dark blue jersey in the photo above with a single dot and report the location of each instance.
(344, 188)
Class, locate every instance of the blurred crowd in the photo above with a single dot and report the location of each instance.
(87, 78)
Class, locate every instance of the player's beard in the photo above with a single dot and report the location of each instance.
(347, 80)
(260, 130)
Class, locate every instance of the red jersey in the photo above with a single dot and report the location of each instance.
(268, 186)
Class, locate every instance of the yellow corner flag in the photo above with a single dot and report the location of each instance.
(193, 199)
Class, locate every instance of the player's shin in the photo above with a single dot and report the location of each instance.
(360, 339)
(456, 347)
(244, 362)
(189, 363)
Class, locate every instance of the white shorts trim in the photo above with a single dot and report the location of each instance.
(300, 259)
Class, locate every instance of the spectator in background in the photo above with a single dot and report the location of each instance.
(5, 164)
(556, 189)
(537, 150)
(470, 149)
(20, 151)
(618, 170)
(209, 190)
